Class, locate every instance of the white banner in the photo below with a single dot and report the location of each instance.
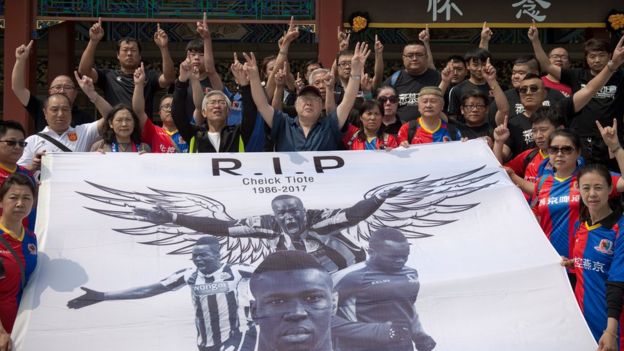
(489, 279)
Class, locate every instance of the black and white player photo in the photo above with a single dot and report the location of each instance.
(293, 303)
(219, 293)
(376, 306)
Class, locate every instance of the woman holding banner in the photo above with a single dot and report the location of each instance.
(18, 250)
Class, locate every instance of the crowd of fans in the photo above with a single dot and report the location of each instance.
(557, 133)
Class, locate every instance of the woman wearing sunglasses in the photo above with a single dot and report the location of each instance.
(389, 100)
(555, 196)
(371, 135)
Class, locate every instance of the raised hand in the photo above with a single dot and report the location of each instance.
(86, 84)
(292, 33)
(609, 135)
(447, 73)
(185, 70)
(299, 83)
(280, 76)
(139, 75)
(618, 54)
(238, 72)
(251, 66)
(533, 34)
(202, 28)
(366, 83)
(96, 32)
(23, 51)
(392, 192)
(89, 298)
(157, 216)
(501, 133)
(360, 54)
(343, 39)
(424, 34)
(160, 37)
(486, 33)
(329, 81)
(489, 72)
(378, 45)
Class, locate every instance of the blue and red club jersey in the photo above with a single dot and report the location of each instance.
(529, 172)
(29, 221)
(555, 203)
(598, 253)
(424, 136)
(10, 284)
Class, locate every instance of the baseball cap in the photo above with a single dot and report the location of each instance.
(310, 89)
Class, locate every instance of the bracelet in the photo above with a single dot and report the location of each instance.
(356, 76)
(610, 66)
(616, 149)
(610, 333)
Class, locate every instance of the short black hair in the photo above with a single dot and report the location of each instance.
(368, 105)
(312, 62)
(385, 86)
(47, 99)
(17, 179)
(477, 54)
(531, 76)
(528, 60)
(128, 40)
(474, 93)
(391, 234)
(6, 125)
(594, 44)
(546, 114)
(414, 42)
(208, 240)
(456, 58)
(282, 261)
(566, 133)
(166, 96)
(195, 45)
(346, 52)
(285, 197)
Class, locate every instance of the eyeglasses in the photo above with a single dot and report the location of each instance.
(344, 64)
(64, 87)
(472, 107)
(565, 150)
(530, 89)
(414, 55)
(393, 99)
(166, 107)
(13, 143)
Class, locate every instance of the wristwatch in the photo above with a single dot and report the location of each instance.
(610, 66)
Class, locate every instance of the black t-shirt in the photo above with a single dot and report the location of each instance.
(35, 110)
(608, 103)
(408, 88)
(118, 87)
(394, 127)
(515, 106)
(459, 90)
(520, 127)
(474, 132)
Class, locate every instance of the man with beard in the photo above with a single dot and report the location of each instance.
(219, 293)
(293, 303)
(118, 85)
(378, 300)
(290, 227)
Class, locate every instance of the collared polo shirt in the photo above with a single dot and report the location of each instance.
(288, 134)
(78, 139)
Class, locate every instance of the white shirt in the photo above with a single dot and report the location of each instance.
(78, 139)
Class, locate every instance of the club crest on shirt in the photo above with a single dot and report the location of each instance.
(32, 249)
(605, 246)
(72, 136)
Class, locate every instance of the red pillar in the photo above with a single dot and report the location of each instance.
(328, 18)
(61, 39)
(19, 21)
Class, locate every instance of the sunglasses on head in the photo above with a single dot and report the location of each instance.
(529, 89)
(565, 150)
(393, 99)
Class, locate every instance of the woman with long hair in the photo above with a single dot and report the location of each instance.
(122, 132)
(371, 134)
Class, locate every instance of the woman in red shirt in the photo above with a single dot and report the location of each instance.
(370, 135)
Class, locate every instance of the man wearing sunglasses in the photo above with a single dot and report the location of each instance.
(60, 85)
(608, 103)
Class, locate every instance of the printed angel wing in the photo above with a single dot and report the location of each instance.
(181, 239)
(425, 202)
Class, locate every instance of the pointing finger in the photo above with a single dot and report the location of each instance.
(30, 43)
